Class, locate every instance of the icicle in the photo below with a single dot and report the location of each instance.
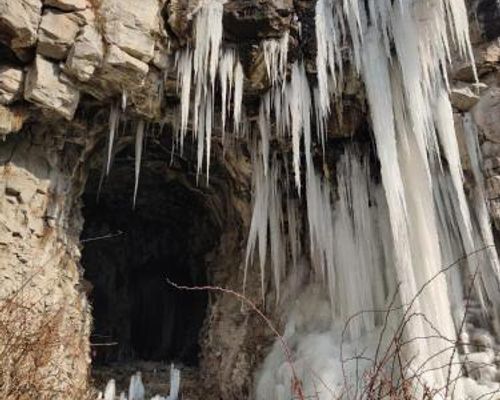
(275, 58)
(110, 392)
(124, 100)
(267, 219)
(238, 95)
(184, 72)
(139, 138)
(491, 277)
(114, 117)
(460, 28)
(446, 129)
(259, 223)
(300, 114)
(208, 28)
(293, 230)
(276, 231)
(226, 75)
(265, 128)
(328, 57)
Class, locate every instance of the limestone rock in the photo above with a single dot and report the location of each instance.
(463, 98)
(45, 87)
(19, 21)
(67, 5)
(123, 69)
(86, 54)
(11, 120)
(56, 34)
(131, 27)
(486, 114)
(11, 84)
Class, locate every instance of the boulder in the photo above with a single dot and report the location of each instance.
(463, 98)
(130, 27)
(56, 34)
(46, 86)
(86, 54)
(11, 84)
(19, 20)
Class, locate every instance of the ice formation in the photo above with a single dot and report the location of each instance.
(110, 392)
(366, 244)
(136, 388)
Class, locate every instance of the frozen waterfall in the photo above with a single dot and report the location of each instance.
(391, 248)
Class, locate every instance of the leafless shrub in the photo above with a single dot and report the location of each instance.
(29, 339)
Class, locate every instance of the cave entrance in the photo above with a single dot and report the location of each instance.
(128, 254)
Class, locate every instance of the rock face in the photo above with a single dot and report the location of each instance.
(69, 61)
(131, 28)
(46, 86)
(19, 22)
(86, 54)
(39, 240)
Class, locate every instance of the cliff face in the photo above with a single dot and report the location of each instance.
(65, 65)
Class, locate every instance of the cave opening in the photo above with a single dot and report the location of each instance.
(129, 253)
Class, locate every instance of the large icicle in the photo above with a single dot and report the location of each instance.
(226, 76)
(266, 227)
(300, 115)
(184, 74)
(208, 28)
(275, 58)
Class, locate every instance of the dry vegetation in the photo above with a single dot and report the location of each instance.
(28, 341)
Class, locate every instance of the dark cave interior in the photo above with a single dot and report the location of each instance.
(128, 255)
